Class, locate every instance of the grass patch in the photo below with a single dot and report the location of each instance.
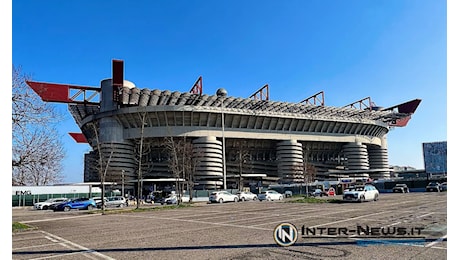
(303, 199)
(17, 226)
(140, 209)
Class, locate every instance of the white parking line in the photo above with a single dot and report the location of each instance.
(439, 240)
(304, 217)
(201, 222)
(89, 253)
(29, 247)
(54, 219)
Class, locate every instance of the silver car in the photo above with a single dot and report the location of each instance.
(47, 204)
(246, 195)
(116, 201)
(361, 193)
(222, 196)
(270, 195)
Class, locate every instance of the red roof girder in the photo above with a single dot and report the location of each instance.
(78, 137)
(60, 93)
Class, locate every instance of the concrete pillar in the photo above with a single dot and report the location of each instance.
(207, 151)
(290, 161)
(378, 160)
(357, 159)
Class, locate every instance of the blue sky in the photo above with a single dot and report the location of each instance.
(392, 51)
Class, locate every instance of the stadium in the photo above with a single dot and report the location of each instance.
(217, 141)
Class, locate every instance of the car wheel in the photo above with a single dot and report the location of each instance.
(235, 200)
(376, 197)
(90, 207)
(243, 199)
(45, 207)
(221, 200)
(255, 198)
(361, 199)
(122, 205)
(66, 208)
(280, 198)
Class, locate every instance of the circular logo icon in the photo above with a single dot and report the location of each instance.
(285, 234)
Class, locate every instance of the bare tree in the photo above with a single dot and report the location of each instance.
(309, 173)
(175, 163)
(182, 164)
(191, 160)
(37, 149)
(242, 156)
(103, 165)
(140, 153)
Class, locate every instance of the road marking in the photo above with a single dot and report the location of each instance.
(202, 222)
(66, 243)
(437, 241)
(28, 247)
(63, 218)
(305, 217)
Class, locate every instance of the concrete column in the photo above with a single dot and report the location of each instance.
(357, 159)
(208, 153)
(290, 161)
(378, 160)
(107, 95)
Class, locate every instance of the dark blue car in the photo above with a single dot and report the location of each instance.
(80, 203)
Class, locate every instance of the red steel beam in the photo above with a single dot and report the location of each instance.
(313, 99)
(53, 92)
(362, 104)
(261, 94)
(78, 137)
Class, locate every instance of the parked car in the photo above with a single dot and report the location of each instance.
(270, 195)
(444, 186)
(246, 195)
(319, 193)
(47, 204)
(116, 201)
(288, 194)
(222, 196)
(363, 193)
(433, 186)
(170, 199)
(98, 201)
(79, 203)
(401, 187)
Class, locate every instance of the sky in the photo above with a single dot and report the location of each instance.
(392, 51)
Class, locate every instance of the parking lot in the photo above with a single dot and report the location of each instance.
(243, 230)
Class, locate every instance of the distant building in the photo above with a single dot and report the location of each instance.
(435, 157)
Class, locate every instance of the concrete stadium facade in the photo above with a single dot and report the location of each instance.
(277, 138)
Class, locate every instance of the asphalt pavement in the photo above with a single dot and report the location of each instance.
(244, 230)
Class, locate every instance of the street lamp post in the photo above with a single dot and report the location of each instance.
(123, 183)
(223, 93)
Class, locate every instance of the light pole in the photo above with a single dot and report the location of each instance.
(223, 93)
(123, 183)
